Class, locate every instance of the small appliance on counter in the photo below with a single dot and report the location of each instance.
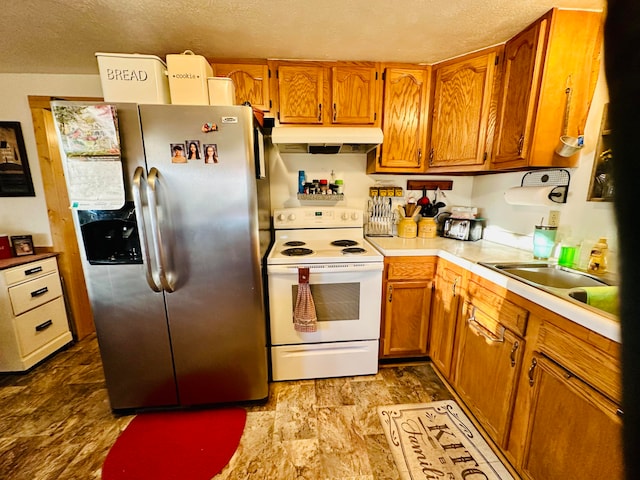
(463, 224)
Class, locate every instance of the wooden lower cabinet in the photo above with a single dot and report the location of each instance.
(488, 365)
(546, 390)
(406, 303)
(449, 289)
(573, 430)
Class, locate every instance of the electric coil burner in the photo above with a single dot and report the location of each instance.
(297, 252)
(344, 243)
(345, 279)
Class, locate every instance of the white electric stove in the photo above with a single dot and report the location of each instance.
(345, 276)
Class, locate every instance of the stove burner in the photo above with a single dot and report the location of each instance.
(294, 243)
(344, 243)
(297, 252)
(353, 250)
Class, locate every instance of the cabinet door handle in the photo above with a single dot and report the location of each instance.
(534, 362)
(33, 270)
(390, 292)
(481, 330)
(619, 412)
(455, 284)
(516, 344)
(431, 153)
(419, 156)
(335, 112)
(520, 144)
(319, 112)
(44, 325)
(40, 291)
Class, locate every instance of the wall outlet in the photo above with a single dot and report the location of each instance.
(554, 218)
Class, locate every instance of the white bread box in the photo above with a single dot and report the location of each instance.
(188, 74)
(222, 91)
(133, 78)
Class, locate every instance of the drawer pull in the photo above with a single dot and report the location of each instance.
(33, 270)
(44, 325)
(619, 412)
(40, 291)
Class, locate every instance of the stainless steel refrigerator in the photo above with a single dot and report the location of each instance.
(175, 276)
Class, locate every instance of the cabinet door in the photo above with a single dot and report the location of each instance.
(300, 94)
(574, 431)
(444, 311)
(462, 97)
(488, 364)
(406, 318)
(404, 121)
(520, 76)
(354, 94)
(251, 82)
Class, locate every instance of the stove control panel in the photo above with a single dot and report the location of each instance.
(317, 217)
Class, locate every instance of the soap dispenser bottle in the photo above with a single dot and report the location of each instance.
(598, 257)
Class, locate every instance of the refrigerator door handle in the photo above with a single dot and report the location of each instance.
(136, 187)
(156, 236)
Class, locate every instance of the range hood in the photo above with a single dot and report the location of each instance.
(329, 140)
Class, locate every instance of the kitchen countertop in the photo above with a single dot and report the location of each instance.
(15, 261)
(468, 254)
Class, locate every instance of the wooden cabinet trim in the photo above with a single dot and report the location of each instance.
(593, 366)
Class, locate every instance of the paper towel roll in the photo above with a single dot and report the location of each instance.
(529, 195)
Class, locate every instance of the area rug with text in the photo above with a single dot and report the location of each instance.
(437, 441)
(175, 445)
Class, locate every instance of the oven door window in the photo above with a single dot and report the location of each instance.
(333, 301)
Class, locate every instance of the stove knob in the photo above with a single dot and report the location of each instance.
(345, 216)
(355, 216)
(292, 217)
(281, 217)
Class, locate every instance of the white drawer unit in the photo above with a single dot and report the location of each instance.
(33, 319)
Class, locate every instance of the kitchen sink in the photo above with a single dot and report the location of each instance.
(548, 275)
(562, 282)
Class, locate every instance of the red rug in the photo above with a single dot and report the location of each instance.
(180, 445)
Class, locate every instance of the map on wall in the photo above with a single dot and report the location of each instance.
(89, 138)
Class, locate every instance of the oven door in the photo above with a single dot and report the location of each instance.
(347, 300)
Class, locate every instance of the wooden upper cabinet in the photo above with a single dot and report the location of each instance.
(547, 85)
(301, 93)
(327, 93)
(251, 82)
(404, 122)
(461, 109)
(354, 95)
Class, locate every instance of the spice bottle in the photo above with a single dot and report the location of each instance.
(598, 256)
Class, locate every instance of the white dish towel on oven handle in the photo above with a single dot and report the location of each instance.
(304, 312)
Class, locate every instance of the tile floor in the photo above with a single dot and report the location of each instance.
(56, 422)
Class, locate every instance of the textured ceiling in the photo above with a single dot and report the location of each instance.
(62, 36)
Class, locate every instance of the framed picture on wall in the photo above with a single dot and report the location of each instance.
(15, 177)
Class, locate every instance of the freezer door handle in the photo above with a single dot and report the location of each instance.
(138, 178)
(156, 235)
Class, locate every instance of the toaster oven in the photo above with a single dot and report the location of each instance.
(463, 228)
